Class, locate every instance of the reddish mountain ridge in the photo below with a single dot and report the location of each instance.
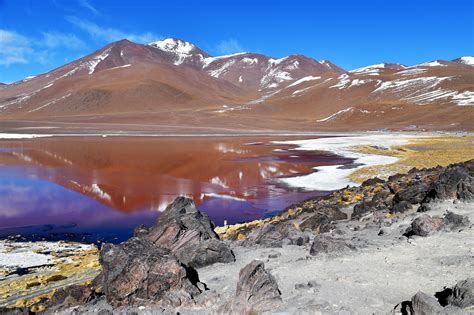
(174, 84)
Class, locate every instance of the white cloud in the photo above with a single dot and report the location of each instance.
(110, 34)
(228, 46)
(15, 48)
(86, 4)
(55, 39)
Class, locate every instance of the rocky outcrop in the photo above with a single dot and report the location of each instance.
(270, 235)
(456, 182)
(462, 294)
(137, 271)
(329, 245)
(189, 234)
(454, 300)
(385, 198)
(257, 291)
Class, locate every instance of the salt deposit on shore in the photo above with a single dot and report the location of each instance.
(336, 177)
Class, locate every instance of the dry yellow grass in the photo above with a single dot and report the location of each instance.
(81, 263)
(419, 153)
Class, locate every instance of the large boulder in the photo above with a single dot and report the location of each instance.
(137, 271)
(425, 225)
(189, 234)
(257, 291)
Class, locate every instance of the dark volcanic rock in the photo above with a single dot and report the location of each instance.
(424, 207)
(323, 222)
(412, 194)
(329, 245)
(462, 294)
(15, 311)
(72, 295)
(425, 225)
(189, 234)
(267, 235)
(450, 301)
(137, 271)
(257, 291)
(424, 304)
(453, 221)
(455, 183)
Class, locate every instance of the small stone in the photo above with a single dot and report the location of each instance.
(301, 286)
(383, 231)
(201, 286)
(424, 207)
(274, 255)
(313, 284)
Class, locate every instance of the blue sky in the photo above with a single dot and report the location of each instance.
(37, 36)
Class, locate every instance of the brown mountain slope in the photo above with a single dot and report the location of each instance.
(173, 86)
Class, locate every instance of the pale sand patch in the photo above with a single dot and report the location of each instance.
(388, 270)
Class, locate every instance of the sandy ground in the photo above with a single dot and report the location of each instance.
(389, 269)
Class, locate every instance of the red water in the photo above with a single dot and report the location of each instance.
(102, 187)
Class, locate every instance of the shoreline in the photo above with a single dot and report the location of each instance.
(237, 133)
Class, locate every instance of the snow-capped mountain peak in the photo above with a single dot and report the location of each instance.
(174, 45)
(180, 51)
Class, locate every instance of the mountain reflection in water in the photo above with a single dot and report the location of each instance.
(103, 187)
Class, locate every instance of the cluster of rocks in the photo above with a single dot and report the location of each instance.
(456, 300)
(400, 194)
(157, 266)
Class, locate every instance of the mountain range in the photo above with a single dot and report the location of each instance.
(172, 85)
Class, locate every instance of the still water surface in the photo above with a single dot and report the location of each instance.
(93, 189)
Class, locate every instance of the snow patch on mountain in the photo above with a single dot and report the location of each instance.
(410, 72)
(464, 98)
(467, 60)
(336, 114)
(209, 60)
(94, 62)
(373, 69)
(343, 82)
(435, 63)
(224, 68)
(411, 84)
(304, 79)
(274, 77)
